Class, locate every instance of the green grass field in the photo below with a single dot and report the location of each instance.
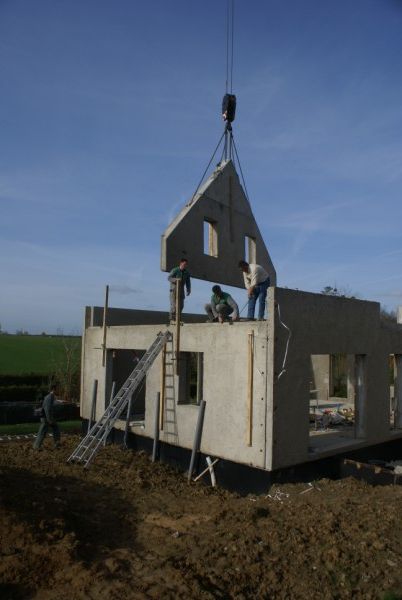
(25, 428)
(23, 354)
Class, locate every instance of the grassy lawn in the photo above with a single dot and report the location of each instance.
(25, 428)
(22, 354)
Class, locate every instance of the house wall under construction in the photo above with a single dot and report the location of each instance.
(255, 377)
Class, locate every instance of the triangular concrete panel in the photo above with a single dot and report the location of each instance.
(220, 207)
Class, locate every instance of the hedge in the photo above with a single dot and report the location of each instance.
(28, 379)
(22, 393)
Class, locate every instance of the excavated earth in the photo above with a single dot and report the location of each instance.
(127, 529)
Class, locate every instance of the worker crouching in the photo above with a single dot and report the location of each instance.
(222, 307)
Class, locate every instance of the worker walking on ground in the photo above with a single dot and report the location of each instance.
(222, 306)
(256, 280)
(181, 274)
(47, 419)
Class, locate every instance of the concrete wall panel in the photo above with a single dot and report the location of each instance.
(222, 202)
(326, 325)
(225, 349)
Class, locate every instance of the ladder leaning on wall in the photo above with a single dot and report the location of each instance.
(87, 449)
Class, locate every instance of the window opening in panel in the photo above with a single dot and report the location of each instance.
(332, 392)
(395, 376)
(123, 363)
(191, 377)
(250, 249)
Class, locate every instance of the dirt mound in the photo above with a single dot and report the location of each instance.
(128, 529)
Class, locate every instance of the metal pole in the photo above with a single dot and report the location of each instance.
(156, 429)
(127, 421)
(398, 392)
(104, 325)
(197, 438)
(209, 467)
(178, 317)
(93, 405)
(211, 471)
(360, 397)
(161, 408)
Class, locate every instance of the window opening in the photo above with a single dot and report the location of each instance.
(123, 363)
(210, 238)
(332, 392)
(398, 391)
(191, 377)
(250, 249)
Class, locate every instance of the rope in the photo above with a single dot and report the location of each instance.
(241, 171)
(283, 370)
(243, 308)
(212, 158)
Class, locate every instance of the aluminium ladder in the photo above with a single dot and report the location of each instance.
(91, 443)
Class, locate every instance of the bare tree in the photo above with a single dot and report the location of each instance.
(66, 368)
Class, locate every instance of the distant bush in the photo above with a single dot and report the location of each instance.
(25, 379)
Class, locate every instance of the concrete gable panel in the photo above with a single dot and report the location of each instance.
(222, 202)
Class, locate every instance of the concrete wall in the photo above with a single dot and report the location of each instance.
(129, 316)
(320, 325)
(326, 325)
(225, 385)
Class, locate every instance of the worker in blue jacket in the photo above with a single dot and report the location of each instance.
(47, 419)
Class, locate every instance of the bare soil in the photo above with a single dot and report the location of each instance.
(127, 529)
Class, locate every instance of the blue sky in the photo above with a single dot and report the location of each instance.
(110, 112)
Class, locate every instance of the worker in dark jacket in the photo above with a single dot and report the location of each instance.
(47, 419)
(181, 274)
(222, 306)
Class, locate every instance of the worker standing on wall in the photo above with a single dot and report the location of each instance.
(181, 274)
(256, 280)
(47, 419)
(222, 306)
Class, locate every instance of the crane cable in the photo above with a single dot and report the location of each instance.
(228, 133)
(229, 45)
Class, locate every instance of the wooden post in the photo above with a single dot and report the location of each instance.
(200, 391)
(178, 317)
(163, 381)
(250, 388)
(104, 326)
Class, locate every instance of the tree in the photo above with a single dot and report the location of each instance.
(67, 368)
(388, 316)
(343, 292)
